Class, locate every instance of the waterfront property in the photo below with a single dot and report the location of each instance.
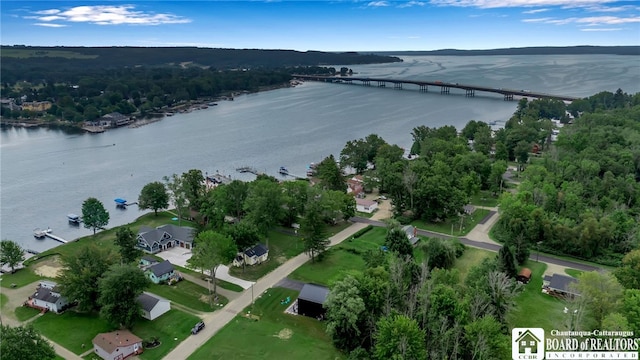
(164, 237)
(48, 298)
(117, 345)
(153, 306)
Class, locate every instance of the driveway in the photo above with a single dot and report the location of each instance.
(179, 256)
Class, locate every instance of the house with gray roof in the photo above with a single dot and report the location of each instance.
(412, 234)
(48, 298)
(152, 306)
(560, 285)
(254, 255)
(164, 237)
(311, 300)
(161, 272)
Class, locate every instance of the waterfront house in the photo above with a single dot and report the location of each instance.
(252, 256)
(36, 106)
(164, 237)
(366, 206)
(152, 306)
(161, 272)
(355, 186)
(117, 345)
(114, 119)
(147, 261)
(48, 298)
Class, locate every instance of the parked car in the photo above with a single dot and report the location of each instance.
(382, 197)
(196, 329)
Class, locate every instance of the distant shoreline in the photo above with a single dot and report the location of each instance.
(538, 50)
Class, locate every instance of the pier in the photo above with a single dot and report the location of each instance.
(56, 238)
(249, 169)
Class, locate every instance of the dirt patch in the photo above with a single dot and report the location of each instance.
(50, 267)
(284, 334)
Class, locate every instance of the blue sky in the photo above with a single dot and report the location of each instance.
(348, 25)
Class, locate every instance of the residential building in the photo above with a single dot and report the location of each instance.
(48, 298)
(114, 119)
(161, 272)
(412, 234)
(164, 237)
(562, 285)
(117, 345)
(252, 256)
(311, 300)
(366, 206)
(37, 106)
(153, 306)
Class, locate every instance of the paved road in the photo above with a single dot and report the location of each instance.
(217, 320)
(491, 246)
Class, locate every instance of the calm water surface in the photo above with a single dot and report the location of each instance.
(46, 174)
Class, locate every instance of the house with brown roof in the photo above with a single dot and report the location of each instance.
(117, 345)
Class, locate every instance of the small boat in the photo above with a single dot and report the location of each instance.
(40, 234)
(120, 202)
(283, 170)
(73, 218)
(212, 104)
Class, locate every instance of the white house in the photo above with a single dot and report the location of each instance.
(117, 345)
(48, 297)
(153, 306)
(366, 206)
(252, 256)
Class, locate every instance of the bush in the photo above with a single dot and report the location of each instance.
(404, 220)
(458, 247)
(362, 231)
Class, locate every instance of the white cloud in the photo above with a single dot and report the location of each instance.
(50, 25)
(535, 11)
(378, 4)
(537, 20)
(601, 29)
(626, 8)
(487, 4)
(412, 3)
(107, 15)
(587, 21)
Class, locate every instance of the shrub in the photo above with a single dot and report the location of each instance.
(362, 231)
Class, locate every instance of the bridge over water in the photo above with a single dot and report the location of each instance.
(445, 87)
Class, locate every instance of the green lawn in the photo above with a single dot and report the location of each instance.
(71, 329)
(470, 258)
(484, 198)
(446, 227)
(3, 300)
(573, 272)
(20, 278)
(174, 324)
(534, 308)
(187, 294)
(275, 335)
(25, 313)
(340, 259)
(221, 283)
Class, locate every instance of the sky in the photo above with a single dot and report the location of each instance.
(338, 25)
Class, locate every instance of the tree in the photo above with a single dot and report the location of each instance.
(80, 275)
(176, 193)
(119, 290)
(11, 254)
(485, 340)
(264, 204)
(313, 226)
(344, 306)
(439, 253)
(399, 338)
(94, 215)
(629, 273)
(330, 175)
(601, 294)
(507, 261)
(24, 343)
(631, 309)
(245, 234)
(211, 250)
(154, 197)
(193, 187)
(397, 241)
(126, 242)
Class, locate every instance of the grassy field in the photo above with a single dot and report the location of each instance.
(282, 246)
(20, 278)
(187, 294)
(446, 227)
(173, 325)
(221, 283)
(484, 198)
(3, 300)
(469, 259)
(533, 307)
(340, 259)
(275, 335)
(71, 329)
(573, 272)
(25, 313)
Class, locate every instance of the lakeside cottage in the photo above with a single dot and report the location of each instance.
(48, 298)
(366, 206)
(164, 237)
(161, 272)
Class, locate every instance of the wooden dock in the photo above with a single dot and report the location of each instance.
(56, 238)
(249, 169)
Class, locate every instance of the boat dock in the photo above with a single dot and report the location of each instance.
(56, 238)
(249, 169)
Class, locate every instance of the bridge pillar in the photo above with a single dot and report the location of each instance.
(444, 89)
(381, 83)
(348, 81)
(470, 93)
(424, 88)
(508, 97)
(397, 86)
(366, 83)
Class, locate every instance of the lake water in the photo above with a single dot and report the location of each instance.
(46, 174)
